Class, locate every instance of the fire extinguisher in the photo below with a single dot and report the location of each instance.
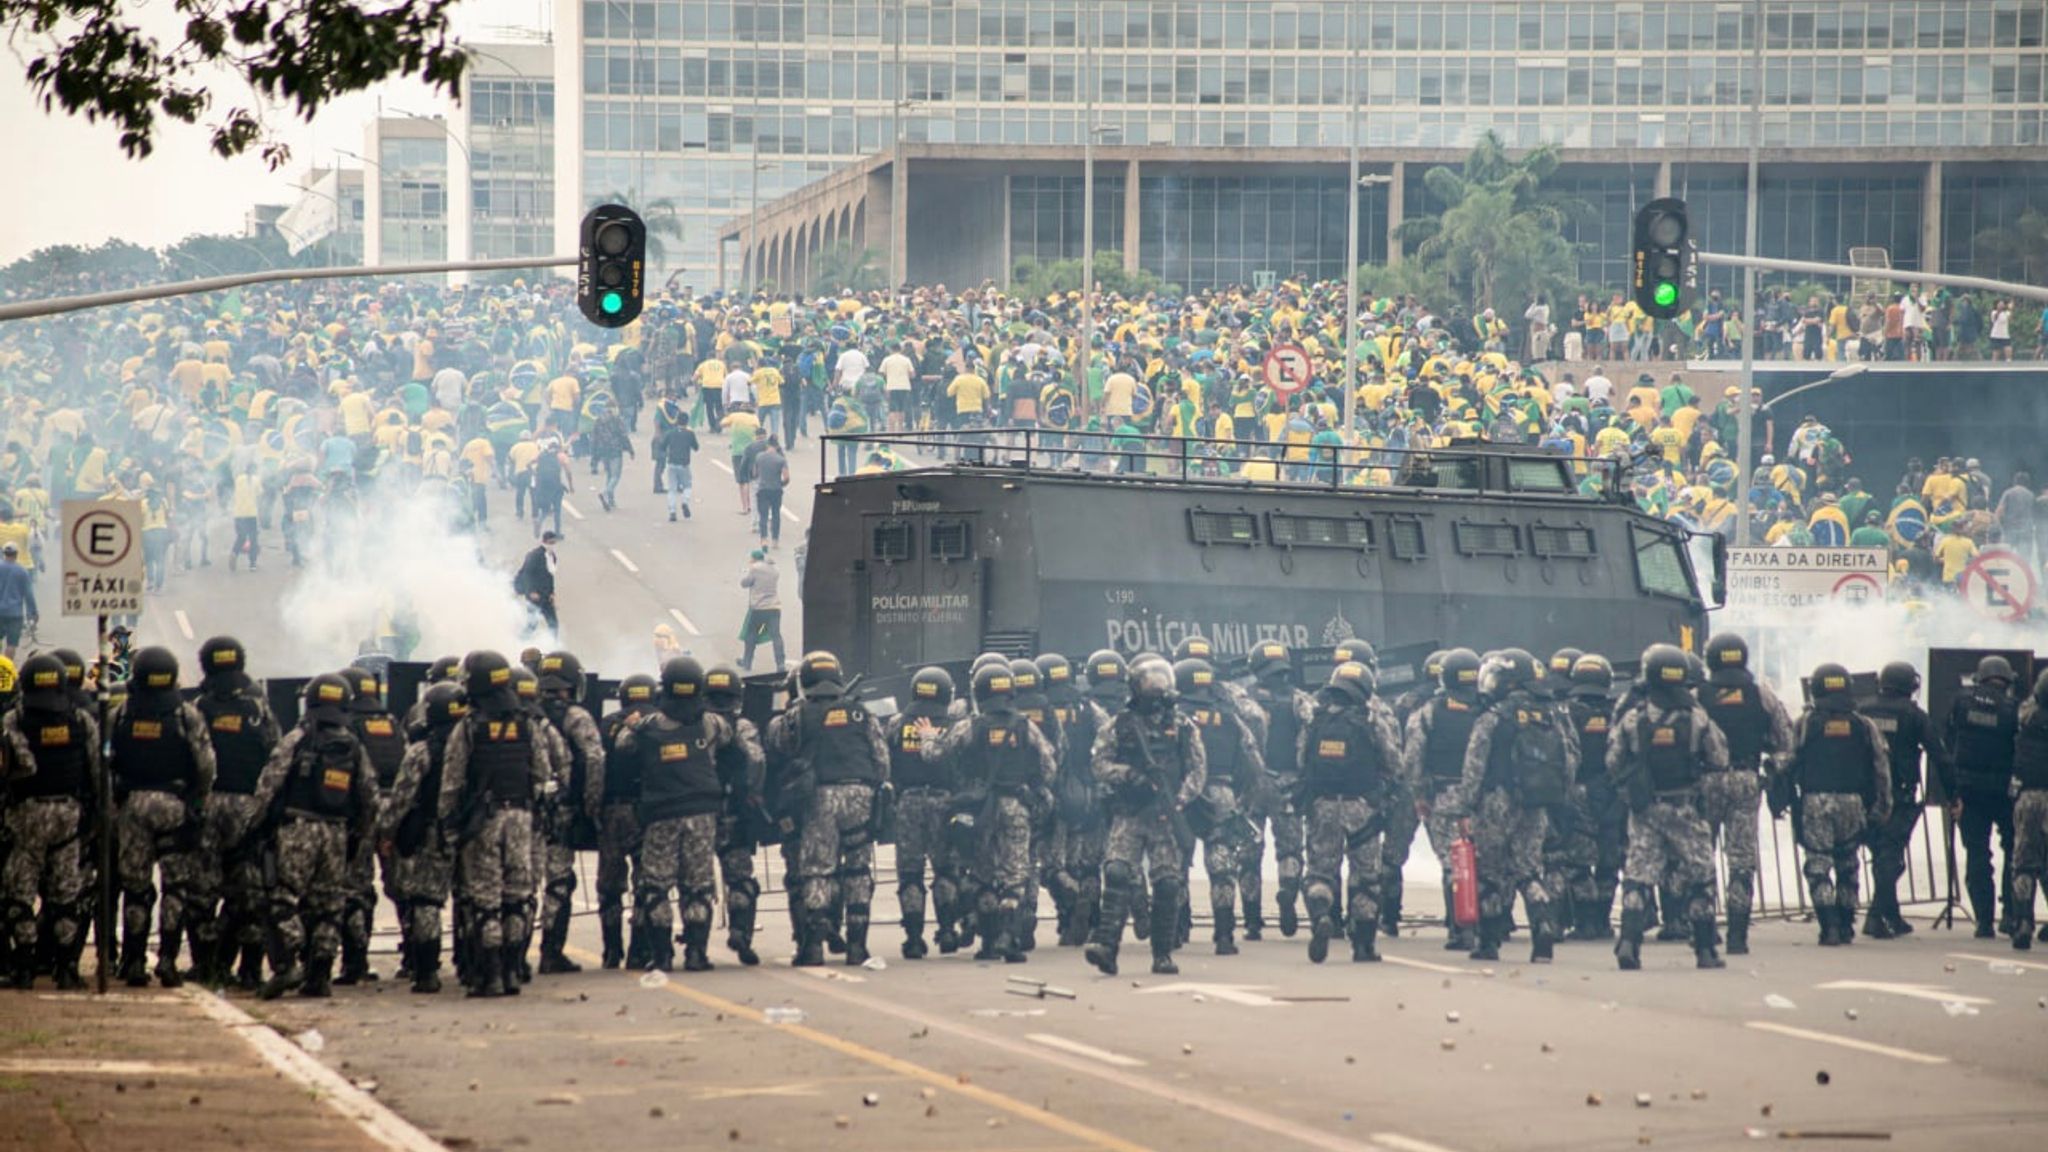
(1464, 878)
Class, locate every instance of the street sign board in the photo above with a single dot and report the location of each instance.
(103, 573)
(1999, 584)
(1287, 369)
(1771, 578)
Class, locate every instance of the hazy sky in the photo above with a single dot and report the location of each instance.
(72, 184)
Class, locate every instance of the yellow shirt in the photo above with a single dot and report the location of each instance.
(563, 393)
(522, 455)
(1117, 394)
(17, 532)
(1669, 442)
(969, 393)
(437, 419)
(480, 457)
(244, 504)
(767, 386)
(1955, 553)
(711, 374)
(423, 359)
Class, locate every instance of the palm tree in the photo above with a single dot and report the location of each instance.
(1501, 233)
(842, 266)
(2019, 248)
(663, 221)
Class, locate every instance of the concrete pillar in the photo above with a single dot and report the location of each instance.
(1660, 186)
(899, 217)
(1397, 210)
(1133, 217)
(1009, 254)
(721, 264)
(1930, 218)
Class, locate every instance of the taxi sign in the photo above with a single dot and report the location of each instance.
(103, 573)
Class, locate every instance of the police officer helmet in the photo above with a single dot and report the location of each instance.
(73, 665)
(637, 690)
(2040, 693)
(1106, 667)
(42, 683)
(154, 670)
(1194, 678)
(10, 683)
(1593, 671)
(933, 687)
(1830, 680)
(992, 683)
(562, 672)
(1994, 668)
(1270, 659)
(525, 684)
(1898, 678)
(1354, 680)
(1054, 671)
(222, 655)
(1151, 683)
(367, 693)
(443, 669)
(1664, 666)
(1459, 671)
(988, 660)
(487, 672)
(325, 699)
(530, 657)
(820, 668)
(683, 678)
(1727, 658)
(1194, 648)
(1560, 666)
(1024, 675)
(1433, 666)
(1695, 670)
(1513, 668)
(1359, 651)
(445, 704)
(723, 685)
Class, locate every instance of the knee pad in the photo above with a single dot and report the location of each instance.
(1118, 874)
(748, 890)
(647, 898)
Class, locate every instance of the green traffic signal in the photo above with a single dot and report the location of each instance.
(1665, 294)
(611, 303)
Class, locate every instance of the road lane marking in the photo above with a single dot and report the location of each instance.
(376, 1121)
(1905, 1054)
(2021, 964)
(722, 466)
(791, 516)
(1399, 1143)
(1080, 1049)
(1932, 992)
(1093, 1137)
(1245, 1115)
(628, 565)
(184, 623)
(685, 621)
(103, 1068)
(1245, 994)
(571, 510)
(1426, 966)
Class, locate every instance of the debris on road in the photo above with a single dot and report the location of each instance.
(1781, 1003)
(1452, 1016)
(1822, 1078)
(1851, 1013)
(1594, 1100)
(311, 1040)
(1447, 1044)
(872, 1099)
(783, 1014)
(875, 964)
(1643, 1099)
(1036, 989)
(1958, 1008)
(654, 979)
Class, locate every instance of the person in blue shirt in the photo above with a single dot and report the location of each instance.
(17, 598)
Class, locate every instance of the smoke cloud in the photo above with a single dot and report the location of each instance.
(1785, 645)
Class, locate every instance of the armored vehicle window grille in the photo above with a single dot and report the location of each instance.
(1015, 645)
(1486, 539)
(1660, 566)
(1406, 538)
(1286, 531)
(1572, 543)
(1460, 473)
(894, 541)
(951, 541)
(1538, 475)
(1240, 528)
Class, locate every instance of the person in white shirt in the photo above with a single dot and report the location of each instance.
(739, 388)
(1538, 316)
(852, 365)
(1599, 389)
(897, 371)
(448, 387)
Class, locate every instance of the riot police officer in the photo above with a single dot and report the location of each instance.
(318, 798)
(1031, 702)
(419, 870)
(1750, 715)
(1003, 767)
(562, 685)
(243, 733)
(554, 858)
(1236, 772)
(162, 767)
(681, 797)
(1150, 763)
(924, 794)
(1286, 709)
(1658, 749)
(1404, 813)
(495, 772)
(1518, 766)
(618, 828)
(384, 740)
(1434, 763)
(1601, 838)
(836, 748)
(1072, 852)
(742, 772)
(1982, 726)
(57, 781)
(1908, 732)
(1349, 753)
(2030, 811)
(1841, 773)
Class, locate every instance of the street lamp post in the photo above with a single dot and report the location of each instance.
(1745, 437)
(1084, 362)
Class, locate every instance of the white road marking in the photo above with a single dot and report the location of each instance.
(1426, 966)
(722, 466)
(688, 625)
(1245, 994)
(377, 1122)
(1932, 992)
(1905, 1054)
(184, 623)
(833, 974)
(571, 510)
(99, 1068)
(1400, 1143)
(745, 1093)
(1080, 1049)
(791, 516)
(2024, 965)
(628, 565)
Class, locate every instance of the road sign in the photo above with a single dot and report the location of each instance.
(1999, 584)
(1287, 369)
(102, 557)
(1771, 578)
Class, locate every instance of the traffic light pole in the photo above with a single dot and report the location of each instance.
(58, 305)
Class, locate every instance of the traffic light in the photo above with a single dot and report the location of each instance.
(1663, 258)
(611, 265)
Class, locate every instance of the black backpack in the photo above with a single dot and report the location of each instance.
(1537, 757)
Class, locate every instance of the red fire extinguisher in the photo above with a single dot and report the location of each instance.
(1464, 878)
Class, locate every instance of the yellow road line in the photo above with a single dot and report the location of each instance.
(1091, 1136)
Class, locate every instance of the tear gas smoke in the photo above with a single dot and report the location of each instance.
(1786, 644)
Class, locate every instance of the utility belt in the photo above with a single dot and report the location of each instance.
(313, 817)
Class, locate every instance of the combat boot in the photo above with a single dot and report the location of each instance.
(1390, 907)
(1830, 935)
(914, 947)
(835, 942)
(1704, 941)
(513, 964)
(249, 973)
(1254, 923)
(1845, 922)
(1628, 949)
(319, 983)
(1141, 910)
(636, 947)
(1896, 919)
(405, 949)
(1363, 949)
(1225, 931)
(552, 940)
(661, 951)
(1542, 933)
(167, 947)
(810, 946)
(1738, 933)
(1184, 921)
(991, 928)
(1877, 921)
(856, 935)
(1167, 908)
(614, 944)
(1491, 933)
(696, 947)
(426, 967)
(21, 974)
(487, 978)
(1102, 955)
(1674, 926)
(66, 975)
(133, 971)
(739, 935)
(1290, 918)
(2022, 940)
(1320, 929)
(355, 961)
(947, 939)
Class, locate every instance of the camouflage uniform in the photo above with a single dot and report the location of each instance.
(742, 768)
(1840, 765)
(1512, 821)
(319, 819)
(494, 833)
(45, 819)
(2030, 856)
(618, 843)
(554, 855)
(384, 739)
(1347, 789)
(1144, 806)
(1669, 841)
(421, 872)
(162, 768)
(1282, 719)
(1596, 834)
(1235, 772)
(681, 797)
(836, 851)
(1433, 764)
(228, 897)
(1004, 759)
(1079, 829)
(1756, 728)
(924, 800)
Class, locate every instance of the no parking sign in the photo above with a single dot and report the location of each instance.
(1999, 584)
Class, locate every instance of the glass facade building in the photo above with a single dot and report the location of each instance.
(716, 106)
(412, 207)
(511, 166)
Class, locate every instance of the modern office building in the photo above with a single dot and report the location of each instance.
(406, 206)
(946, 135)
(506, 119)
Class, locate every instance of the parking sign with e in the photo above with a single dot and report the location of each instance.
(103, 571)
